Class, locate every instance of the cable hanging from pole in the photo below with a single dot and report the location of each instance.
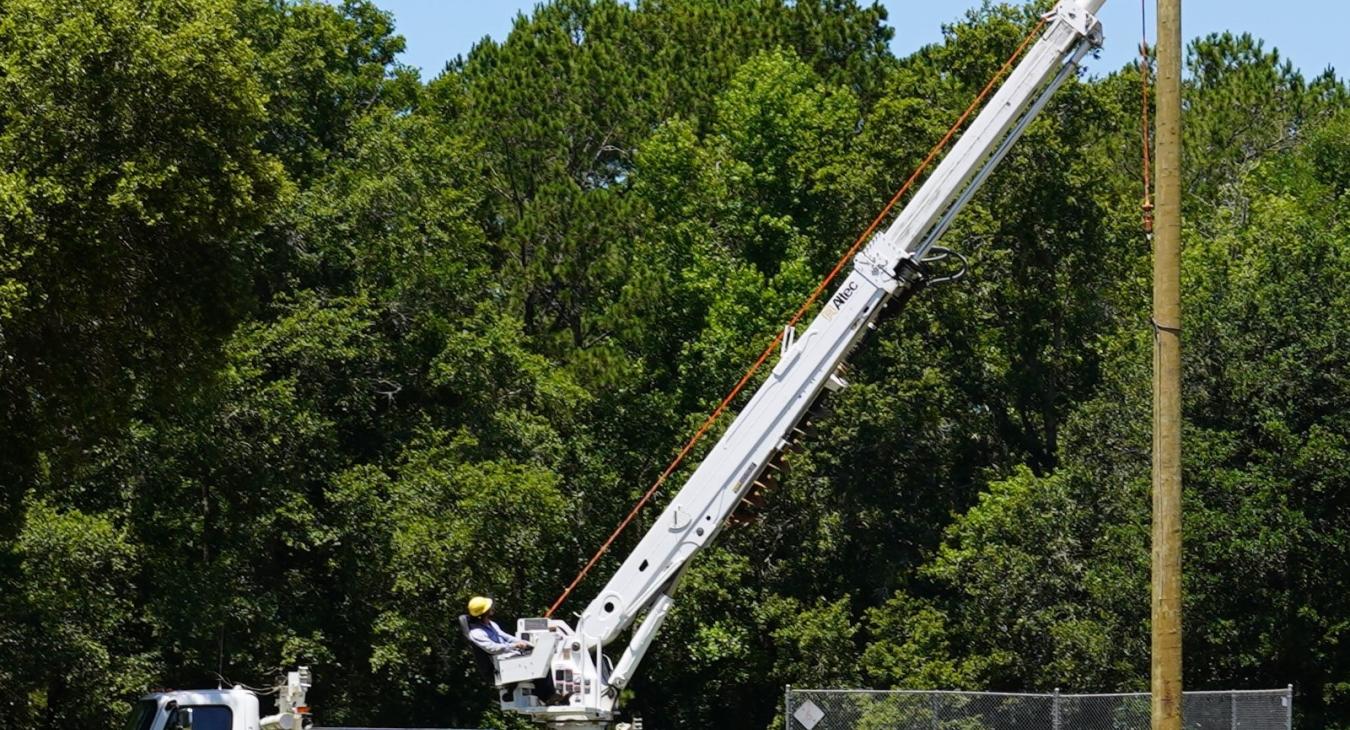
(1144, 119)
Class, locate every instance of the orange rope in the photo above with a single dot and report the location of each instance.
(1144, 126)
(801, 311)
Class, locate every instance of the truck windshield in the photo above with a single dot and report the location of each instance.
(142, 715)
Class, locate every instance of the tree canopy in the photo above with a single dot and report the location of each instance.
(299, 350)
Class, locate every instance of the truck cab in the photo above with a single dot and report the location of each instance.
(216, 709)
(224, 709)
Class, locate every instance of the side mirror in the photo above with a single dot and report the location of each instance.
(180, 719)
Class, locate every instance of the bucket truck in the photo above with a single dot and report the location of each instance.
(889, 269)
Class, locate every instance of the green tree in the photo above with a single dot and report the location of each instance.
(1044, 582)
(300, 353)
(132, 182)
(69, 639)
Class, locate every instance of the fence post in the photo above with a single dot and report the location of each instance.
(1289, 707)
(933, 702)
(787, 707)
(1054, 711)
(1232, 712)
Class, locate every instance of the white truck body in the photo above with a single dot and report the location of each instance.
(236, 708)
(213, 709)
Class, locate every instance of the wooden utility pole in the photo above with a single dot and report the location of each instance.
(1166, 684)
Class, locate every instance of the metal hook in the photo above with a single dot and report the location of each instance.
(939, 253)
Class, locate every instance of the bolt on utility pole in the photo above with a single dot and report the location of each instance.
(1166, 680)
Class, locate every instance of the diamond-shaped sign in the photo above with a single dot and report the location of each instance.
(809, 714)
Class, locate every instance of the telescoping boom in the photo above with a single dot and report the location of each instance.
(639, 595)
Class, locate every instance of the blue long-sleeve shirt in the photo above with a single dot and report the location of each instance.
(489, 637)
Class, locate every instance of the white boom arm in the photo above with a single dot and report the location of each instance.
(889, 265)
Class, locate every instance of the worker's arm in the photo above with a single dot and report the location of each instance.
(482, 640)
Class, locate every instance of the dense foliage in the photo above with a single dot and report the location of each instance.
(297, 352)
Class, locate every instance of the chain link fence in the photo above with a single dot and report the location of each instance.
(921, 710)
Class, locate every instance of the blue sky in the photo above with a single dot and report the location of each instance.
(1312, 33)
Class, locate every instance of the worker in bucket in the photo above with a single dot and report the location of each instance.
(488, 637)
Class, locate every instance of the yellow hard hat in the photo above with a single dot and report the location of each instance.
(479, 605)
